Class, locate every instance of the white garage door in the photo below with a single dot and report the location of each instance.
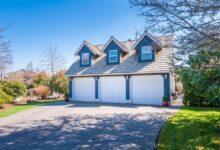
(112, 89)
(147, 89)
(83, 89)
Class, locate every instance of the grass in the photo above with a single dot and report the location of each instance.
(20, 108)
(192, 128)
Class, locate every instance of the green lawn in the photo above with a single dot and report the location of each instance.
(19, 108)
(192, 128)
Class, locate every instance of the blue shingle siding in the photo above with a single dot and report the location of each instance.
(146, 41)
(112, 46)
(96, 87)
(85, 49)
(166, 85)
(70, 88)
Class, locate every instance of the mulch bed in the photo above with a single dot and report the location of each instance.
(8, 106)
(5, 106)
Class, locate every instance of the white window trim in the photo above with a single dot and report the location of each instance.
(83, 55)
(148, 51)
(116, 55)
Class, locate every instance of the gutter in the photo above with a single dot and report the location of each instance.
(119, 74)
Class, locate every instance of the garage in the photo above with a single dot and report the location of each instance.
(112, 89)
(83, 89)
(147, 89)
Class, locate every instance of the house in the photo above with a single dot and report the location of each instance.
(134, 71)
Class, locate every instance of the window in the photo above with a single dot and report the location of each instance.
(85, 58)
(113, 56)
(146, 53)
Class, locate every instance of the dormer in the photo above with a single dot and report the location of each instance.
(146, 47)
(87, 52)
(114, 50)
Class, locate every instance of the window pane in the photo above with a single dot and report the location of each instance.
(113, 55)
(85, 58)
(85, 55)
(113, 59)
(113, 52)
(146, 56)
(146, 53)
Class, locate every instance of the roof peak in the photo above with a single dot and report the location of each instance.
(112, 38)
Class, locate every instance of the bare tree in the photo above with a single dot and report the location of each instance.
(5, 53)
(30, 66)
(196, 23)
(137, 34)
(53, 61)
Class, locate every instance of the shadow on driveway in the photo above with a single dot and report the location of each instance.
(115, 131)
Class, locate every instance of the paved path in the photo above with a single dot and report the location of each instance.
(83, 126)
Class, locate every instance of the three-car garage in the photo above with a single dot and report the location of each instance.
(135, 89)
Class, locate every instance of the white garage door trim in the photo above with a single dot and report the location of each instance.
(147, 89)
(83, 89)
(112, 89)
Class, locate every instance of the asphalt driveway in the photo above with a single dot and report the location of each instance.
(83, 126)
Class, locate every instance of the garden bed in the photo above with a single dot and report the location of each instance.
(5, 107)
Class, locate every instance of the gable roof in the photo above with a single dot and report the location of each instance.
(150, 36)
(129, 64)
(112, 38)
(95, 50)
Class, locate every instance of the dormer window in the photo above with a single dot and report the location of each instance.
(113, 56)
(146, 53)
(85, 58)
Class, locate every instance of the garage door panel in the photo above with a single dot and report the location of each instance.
(112, 89)
(84, 89)
(147, 89)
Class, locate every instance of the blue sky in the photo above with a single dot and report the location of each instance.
(35, 24)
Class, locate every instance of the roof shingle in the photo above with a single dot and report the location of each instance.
(129, 62)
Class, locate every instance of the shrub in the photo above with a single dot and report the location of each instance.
(165, 99)
(61, 82)
(4, 98)
(14, 88)
(42, 78)
(201, 81)
(42, 91)
(66, 95)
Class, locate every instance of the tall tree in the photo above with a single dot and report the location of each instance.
(5, 53)
(195, 22)
(53, 61)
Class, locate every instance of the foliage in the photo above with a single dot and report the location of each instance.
(42, 91)
(66, 95)
(53, 61)
(165, 99)
(196, 22)
(20, 108)
(191, 128)
(42, 78)
(14, 88)
(201, 81)
(61, 82)
(4, 98)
